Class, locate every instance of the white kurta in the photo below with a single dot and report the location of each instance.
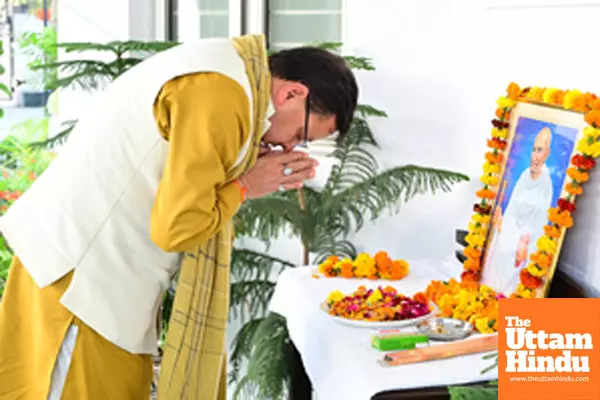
(525, 213)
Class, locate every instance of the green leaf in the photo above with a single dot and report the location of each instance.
(473, 392)
(267, 375)
(251, 287)
(5, 89)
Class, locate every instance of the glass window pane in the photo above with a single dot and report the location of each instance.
(212, 5)
(280, 5)
(214, 26)
(305, 28)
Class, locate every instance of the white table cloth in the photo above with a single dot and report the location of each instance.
(339, 359)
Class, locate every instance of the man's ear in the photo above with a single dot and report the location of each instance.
(290, 91)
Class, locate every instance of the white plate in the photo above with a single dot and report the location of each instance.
(377, 324)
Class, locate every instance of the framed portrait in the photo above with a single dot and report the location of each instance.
(542, 148)
(541, 142)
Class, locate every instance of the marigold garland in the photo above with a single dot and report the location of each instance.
(381, 266)
(467, 301)
(532, 277)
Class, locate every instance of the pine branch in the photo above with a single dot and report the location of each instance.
(267, 375)
(267, 217)
(58, 139)
(364, 111)
(473, 392)
(252, 289)
(241, 348)
(369, 197)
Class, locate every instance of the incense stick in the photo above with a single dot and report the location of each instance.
(481, 344)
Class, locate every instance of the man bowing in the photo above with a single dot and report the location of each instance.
(147, 186)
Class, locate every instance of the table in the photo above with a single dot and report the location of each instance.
(339, 360)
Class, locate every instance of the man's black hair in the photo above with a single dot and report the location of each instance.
(331, 84)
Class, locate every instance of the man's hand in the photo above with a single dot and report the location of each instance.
(497, 219)
(521, 255)
(267, 174)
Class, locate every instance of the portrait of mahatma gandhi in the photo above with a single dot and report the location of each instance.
(532, 183)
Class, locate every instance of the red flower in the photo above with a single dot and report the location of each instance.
(530, 281)
(482, 209)
(499, 124)
(566, 205)
(583, 162)
(470, 276)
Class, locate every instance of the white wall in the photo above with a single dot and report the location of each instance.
(441, 64)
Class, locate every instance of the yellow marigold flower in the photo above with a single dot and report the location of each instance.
(570, 98)
(500, 133)
(483, 325)
(589, 149)
(504, 102)
(490, 168)
(524, 292)
(365, 265)
(548, 95)
(482, 219)
(538, 272)
(335, 296)
(536, 93)
(591, 133)
(374, 297)
(490, 180)
(478, 229)
(475, 240)
(547, 245)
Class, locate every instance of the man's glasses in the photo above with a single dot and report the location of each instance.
(306, 118)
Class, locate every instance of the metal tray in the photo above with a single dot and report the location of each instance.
(444, 329)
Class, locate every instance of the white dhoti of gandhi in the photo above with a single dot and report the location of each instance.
(517, 229)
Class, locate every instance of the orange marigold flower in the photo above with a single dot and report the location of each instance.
(574, 188)
(497, 143)
(421, 298)
(399, 269)
(513, 91)
(471, 252)
(561, 218)
(594, 103)
(552, 231)
(472, 265)
(559, 97)
(530, 281)
(577, 175)
(542, 259)
(593, 118)
(494, 158)
(485, 194)
(347, 269)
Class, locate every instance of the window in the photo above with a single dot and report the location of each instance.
(193, 19)
(292, 23)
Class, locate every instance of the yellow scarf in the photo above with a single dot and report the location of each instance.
(194, 360)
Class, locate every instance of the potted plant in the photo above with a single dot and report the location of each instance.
(41, 48)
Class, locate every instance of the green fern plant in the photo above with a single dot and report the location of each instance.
(323, 221)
